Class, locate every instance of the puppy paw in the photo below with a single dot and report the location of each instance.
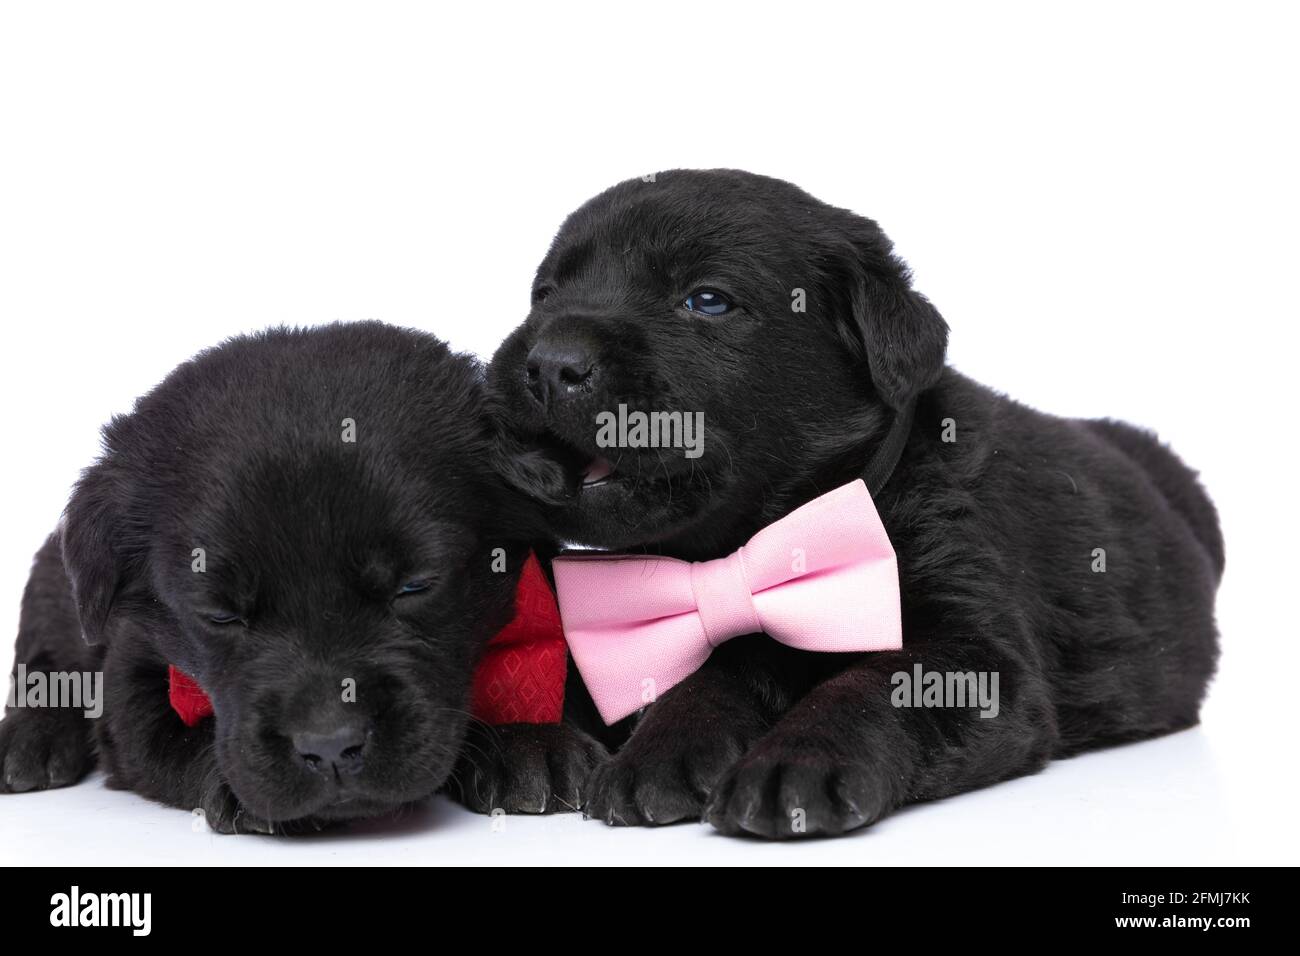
(660, 778)
(225, 814)
(525, 768)
(787, 791)
(43, 749)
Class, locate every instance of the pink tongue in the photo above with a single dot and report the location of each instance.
(598, 470)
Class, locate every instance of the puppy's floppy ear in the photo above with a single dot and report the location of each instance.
(529, 470)
(905, 338)
(90, 558)
(902, 336)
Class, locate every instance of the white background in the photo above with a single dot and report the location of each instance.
(1101, 200)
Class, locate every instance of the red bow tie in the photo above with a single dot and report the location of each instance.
(520, 679)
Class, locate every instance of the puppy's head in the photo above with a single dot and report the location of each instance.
(785, 325)
(305, 521)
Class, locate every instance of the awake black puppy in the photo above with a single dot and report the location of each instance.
(309, 524)
(1076, 560)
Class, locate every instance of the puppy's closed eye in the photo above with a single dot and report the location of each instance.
(221, 609)
(392, 576)
(419, 585)
(222, 618)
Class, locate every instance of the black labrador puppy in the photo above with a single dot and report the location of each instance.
(1076, 561)
(309, 524)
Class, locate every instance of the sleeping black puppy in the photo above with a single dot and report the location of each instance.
(1076, 561)
(308, 523)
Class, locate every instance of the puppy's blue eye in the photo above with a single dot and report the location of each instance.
(414, 587)
(224, 618)
(708, 302)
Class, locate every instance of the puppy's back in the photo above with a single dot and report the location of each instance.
(1178, 483)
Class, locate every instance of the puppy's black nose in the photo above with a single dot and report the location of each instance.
(559, 370)
(341, 748)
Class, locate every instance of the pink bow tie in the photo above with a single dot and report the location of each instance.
(823, 578)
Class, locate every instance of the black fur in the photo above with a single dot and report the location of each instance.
(308, 539)
(995, 531)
